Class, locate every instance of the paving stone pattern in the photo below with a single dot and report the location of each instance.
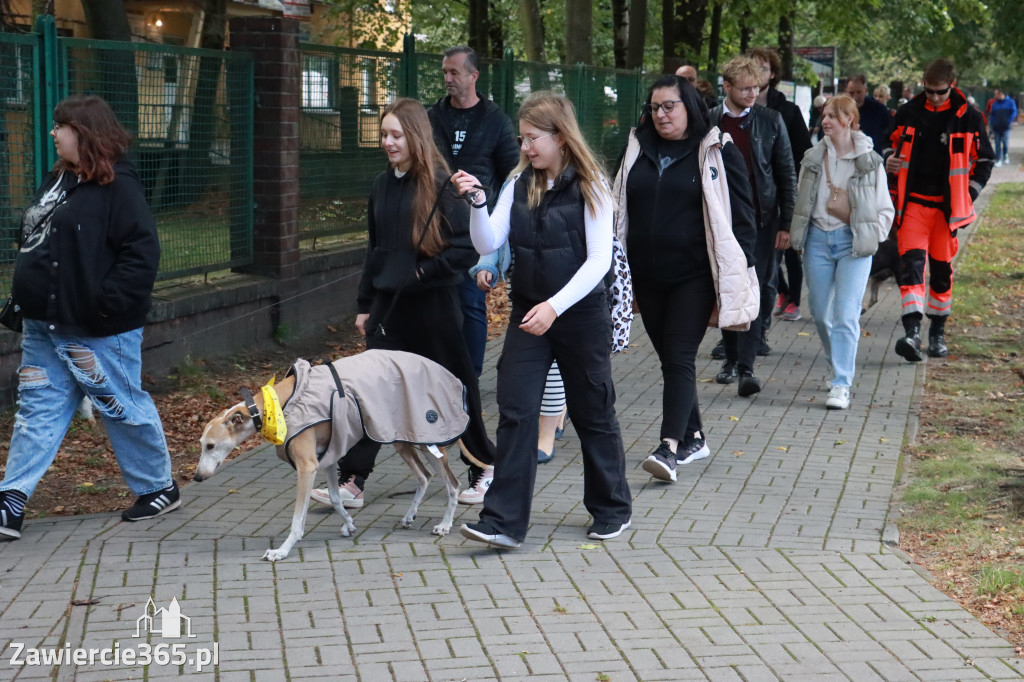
(765, 561)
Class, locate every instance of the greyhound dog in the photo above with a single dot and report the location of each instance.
(388, 396)
(884, 263)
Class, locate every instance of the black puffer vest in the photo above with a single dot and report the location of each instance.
(549, 243)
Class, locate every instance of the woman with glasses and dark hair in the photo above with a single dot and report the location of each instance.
(685, 214)
(87, 260)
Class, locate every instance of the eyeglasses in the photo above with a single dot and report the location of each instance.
(668, 105)
(940, 93)
(57, 126)
(752, 90)
(529, 141)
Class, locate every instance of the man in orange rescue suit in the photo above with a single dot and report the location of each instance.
(938, 161)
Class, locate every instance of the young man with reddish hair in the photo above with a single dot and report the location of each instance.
(939, 160)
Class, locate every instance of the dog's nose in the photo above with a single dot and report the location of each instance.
(198, 478)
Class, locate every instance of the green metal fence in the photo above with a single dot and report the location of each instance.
(190, 111)
(344, 91)
(18, 142)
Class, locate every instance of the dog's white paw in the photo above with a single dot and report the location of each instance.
(442, 529)
(407, 521)
(348, 530)
(274, 555)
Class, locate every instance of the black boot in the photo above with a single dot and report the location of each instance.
(937, 338)
(909, 347)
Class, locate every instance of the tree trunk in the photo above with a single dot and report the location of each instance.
(203, 121)
(478, 26)
(715, 40)
(620, 31)
(533, 30)
(746, 31)
(496, 33)
(637, 34)
(117, 84)
(786, 22)
(579, 20)
(682, 32)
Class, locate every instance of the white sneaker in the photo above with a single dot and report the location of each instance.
(838, 398)
(474, 494)
(351, 495)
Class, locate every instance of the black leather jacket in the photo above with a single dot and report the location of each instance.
(774, 172)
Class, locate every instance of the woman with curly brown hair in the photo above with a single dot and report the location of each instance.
(83, 280)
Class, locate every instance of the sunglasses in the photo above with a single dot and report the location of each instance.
(945, 90)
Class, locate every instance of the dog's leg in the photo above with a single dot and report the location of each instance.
(347, 527)
(306, 473)
(409, 456)
(444, 470)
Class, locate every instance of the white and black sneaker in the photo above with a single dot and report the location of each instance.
(661, 463)
(154, 504)
(606, 531)
(12, 513)
(693, 450)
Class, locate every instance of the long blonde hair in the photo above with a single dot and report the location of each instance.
(427, 163)
(555, 114)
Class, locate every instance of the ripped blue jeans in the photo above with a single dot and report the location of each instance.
(56, 371)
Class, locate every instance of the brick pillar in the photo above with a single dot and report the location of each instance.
(273, 43)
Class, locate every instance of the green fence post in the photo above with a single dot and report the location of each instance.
(409, 87)
(48, 94)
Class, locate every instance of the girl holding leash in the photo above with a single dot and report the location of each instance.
(556, 213)
(419, 246)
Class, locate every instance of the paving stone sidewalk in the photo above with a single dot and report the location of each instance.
(766, 561)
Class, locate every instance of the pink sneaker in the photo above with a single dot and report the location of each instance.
(479, 483)
(792, 313)
(351, 495)
(780, 305)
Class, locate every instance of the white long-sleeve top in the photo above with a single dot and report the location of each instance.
(490, 231)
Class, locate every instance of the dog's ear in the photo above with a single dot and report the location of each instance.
(238, 418)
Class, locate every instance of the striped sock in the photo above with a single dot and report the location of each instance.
(14, 501)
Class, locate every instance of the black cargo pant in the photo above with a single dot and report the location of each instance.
(580, 339)
(741, 347)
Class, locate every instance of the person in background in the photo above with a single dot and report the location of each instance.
(882, 96)
(788, 283)
(760, 134)
(1002, 117)
(556, 214)
(669, 174)
(418, 252)
(939, 159)
(815, 125)
(837, 251)
(83, 278)
(473, 134)
(689, 73)
(875, 119)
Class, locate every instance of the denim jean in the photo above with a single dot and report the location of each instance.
(474, 321)
(56, 371)
(835, 284)
(1001, 142)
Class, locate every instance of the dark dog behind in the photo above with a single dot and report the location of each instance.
(884, 264)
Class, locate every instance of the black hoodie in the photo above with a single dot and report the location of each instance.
(92, 272)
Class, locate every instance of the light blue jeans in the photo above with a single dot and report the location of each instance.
(56, 371)
(835, 283)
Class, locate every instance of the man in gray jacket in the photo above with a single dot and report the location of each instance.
(760, 134)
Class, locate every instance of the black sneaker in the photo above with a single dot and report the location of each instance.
(694, 450)
(749, 385)
(154, 504)
(606, 531)
(718, 352)
(909, 348)
(661, 463)
(728, 374)
(763, 349)
(489, 535)
(12, 514)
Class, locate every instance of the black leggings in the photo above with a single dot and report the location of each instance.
(427, 323)
(676, 318)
